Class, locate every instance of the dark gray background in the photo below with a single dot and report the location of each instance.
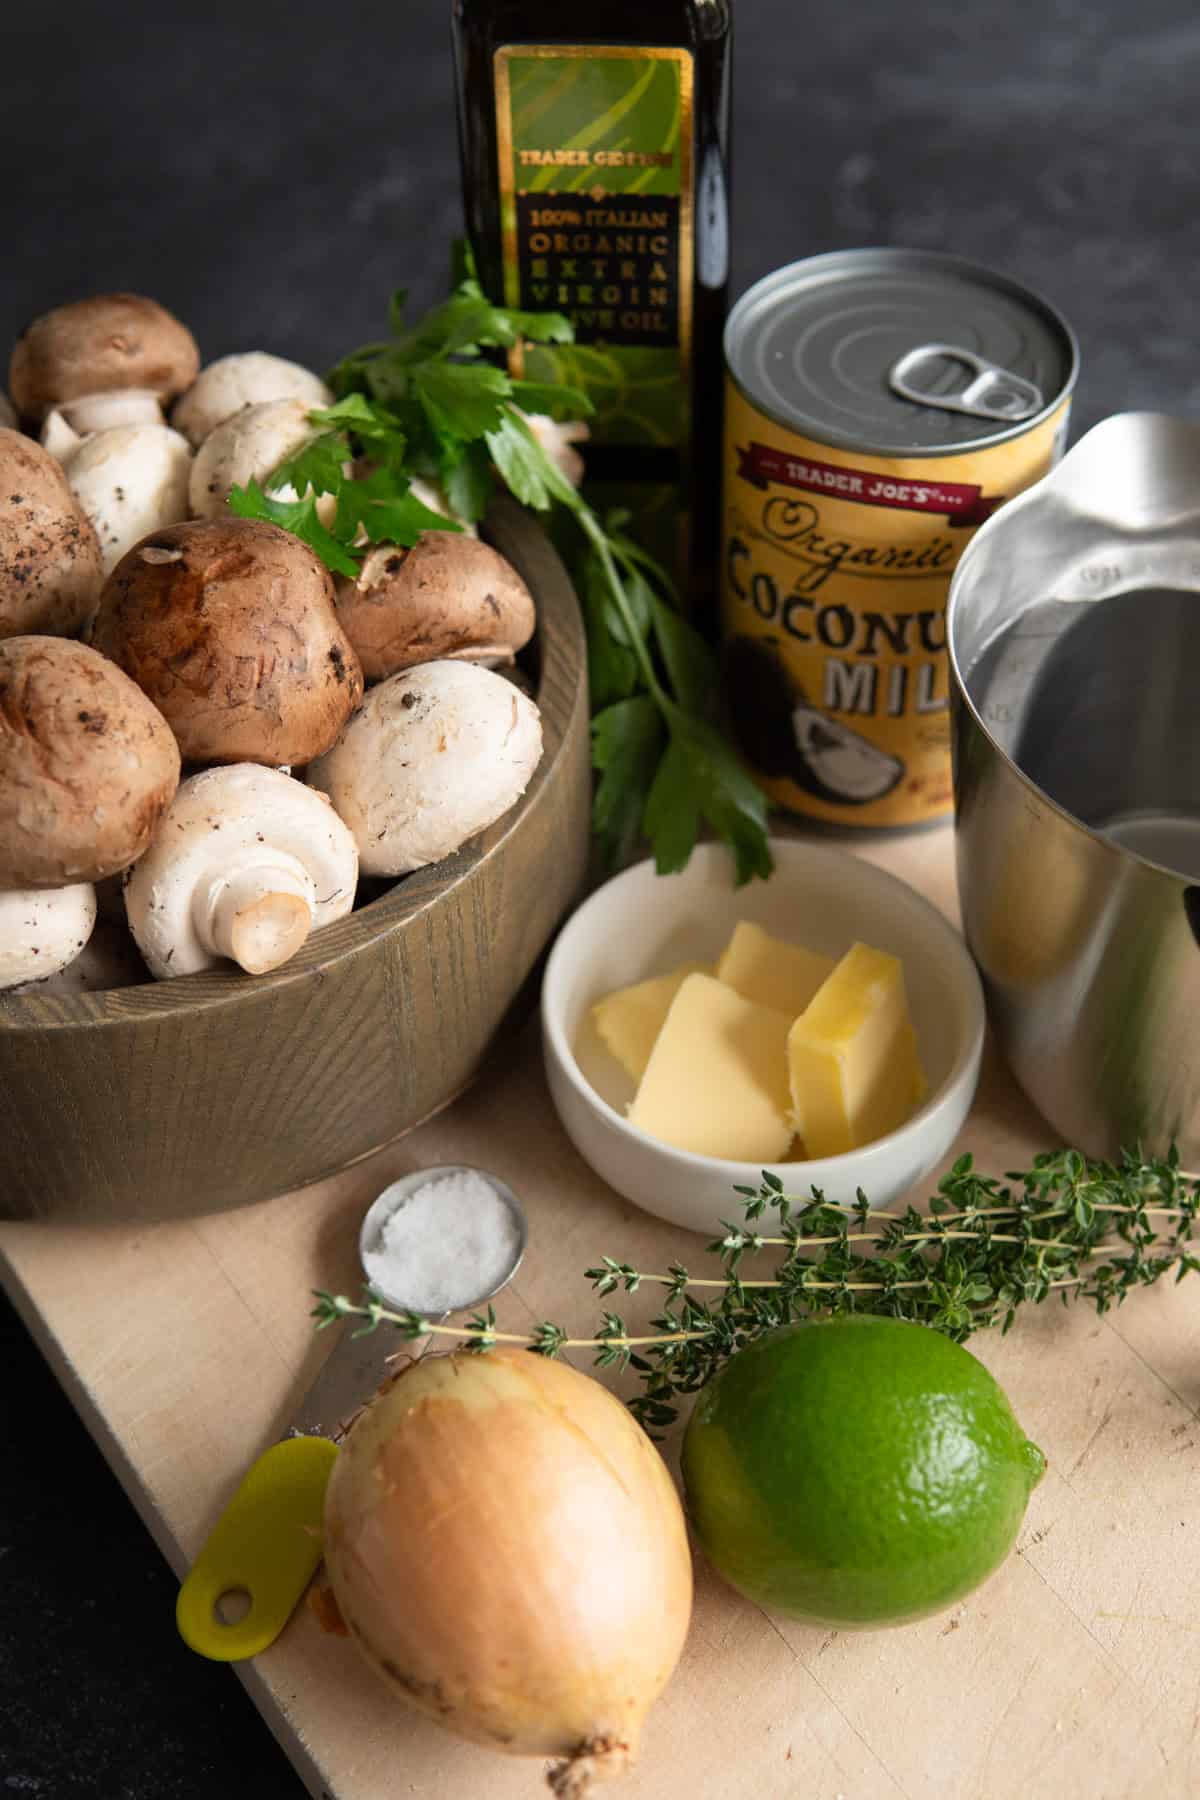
(270, 172)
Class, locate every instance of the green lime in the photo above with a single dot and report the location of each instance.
(856, 1471)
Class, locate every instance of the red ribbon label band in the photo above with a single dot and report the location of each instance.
(961, 503)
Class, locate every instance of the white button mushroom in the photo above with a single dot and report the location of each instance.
(130, 481)
(91, 349)
(245, 865)
(232, 382)
(248, 447)
(108, 960)
(431, 757)
(42, 930)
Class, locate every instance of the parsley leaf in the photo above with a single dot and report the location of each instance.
(553, 398)
(387, 510)
(468, 321)
(461, 400)
(719, 789)
(627, 744)
(380, 505)
(461, 324)
(689, 662)
(353, 410)
(613, 672)
(318, 465)
(397, 307)
(297, 516)
(467, 479)
(540, 327)
(433, 401)
(672, 817)
(640, 605)
(522, 462)
(371, 423)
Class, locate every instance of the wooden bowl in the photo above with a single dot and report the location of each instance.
(169, 1099)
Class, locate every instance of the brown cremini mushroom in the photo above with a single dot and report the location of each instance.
(450, 596)
(98, 346)
(88, 766)
(229, 626)
(50, 558)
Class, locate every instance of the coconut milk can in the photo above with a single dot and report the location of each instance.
(880, 405)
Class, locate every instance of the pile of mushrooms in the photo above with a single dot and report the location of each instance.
(147, 634)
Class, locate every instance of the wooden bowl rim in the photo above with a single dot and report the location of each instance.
(560, 641)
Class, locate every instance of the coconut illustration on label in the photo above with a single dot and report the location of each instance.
(785, 736)
(836, 763)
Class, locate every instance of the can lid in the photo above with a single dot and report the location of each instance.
(899, 352)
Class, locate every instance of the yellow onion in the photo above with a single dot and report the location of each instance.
(508, 1550)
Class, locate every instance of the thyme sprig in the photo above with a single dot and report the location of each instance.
(987, 1246)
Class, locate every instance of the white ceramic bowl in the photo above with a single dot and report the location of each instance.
(641, 924)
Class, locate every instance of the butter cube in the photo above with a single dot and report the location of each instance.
(717, 1079)
(853, 1056)
(764, 969)
(631, 1018)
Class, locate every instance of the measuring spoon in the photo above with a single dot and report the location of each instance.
(265, 1547)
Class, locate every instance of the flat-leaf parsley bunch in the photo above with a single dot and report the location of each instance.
(430, 402)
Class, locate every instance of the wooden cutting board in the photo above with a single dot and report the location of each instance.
(1073, 1673)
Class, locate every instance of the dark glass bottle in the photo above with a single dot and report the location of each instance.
(595, 155)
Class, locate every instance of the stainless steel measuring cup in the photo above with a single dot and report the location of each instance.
(1074, 636)
(266, 1545)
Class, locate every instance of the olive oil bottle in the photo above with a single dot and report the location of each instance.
(595, 155)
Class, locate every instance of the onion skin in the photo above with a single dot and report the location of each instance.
(508, 1550)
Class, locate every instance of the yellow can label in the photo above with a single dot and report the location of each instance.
(835, 575)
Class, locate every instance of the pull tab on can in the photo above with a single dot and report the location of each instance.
(984, 390)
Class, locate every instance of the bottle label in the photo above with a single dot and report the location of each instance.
(596, 195)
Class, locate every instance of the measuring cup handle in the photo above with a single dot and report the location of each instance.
(265, 1546)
